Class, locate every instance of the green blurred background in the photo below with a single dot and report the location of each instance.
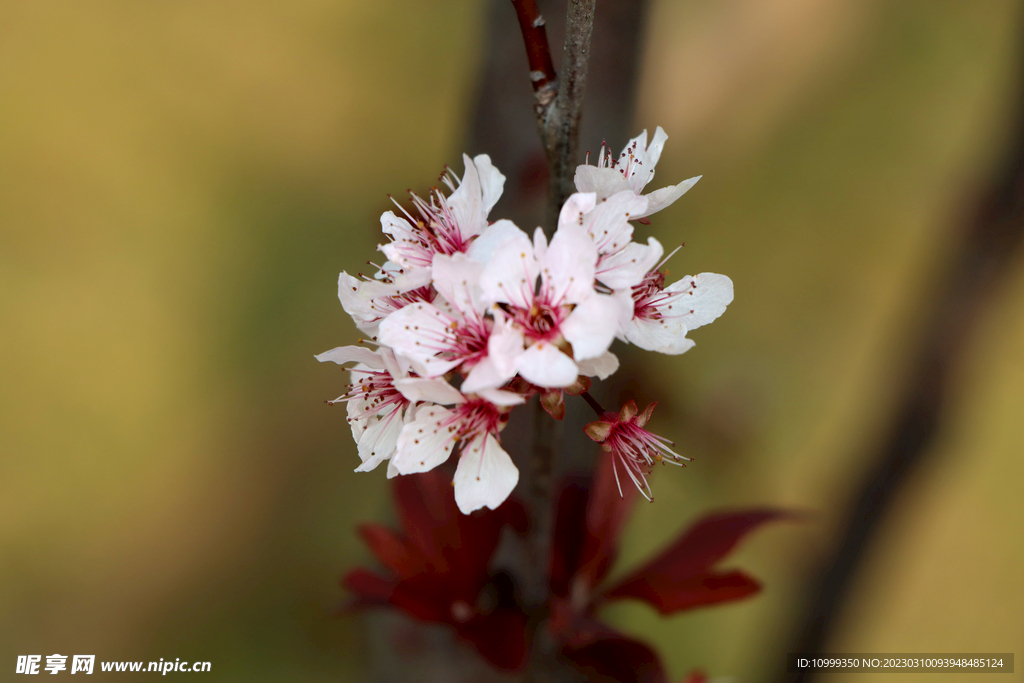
(181, 182)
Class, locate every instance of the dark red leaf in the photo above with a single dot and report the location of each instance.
(394, 552)
(369, 588)
(567, 537)
(500, 637)
(679, 578)
(695, 676)
(619, 659)
(607, 514)
(669, 596)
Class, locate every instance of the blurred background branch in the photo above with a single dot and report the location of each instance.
(985, 252)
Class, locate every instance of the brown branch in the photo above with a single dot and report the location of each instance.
(564, 124)
(989, 249)
(543, 77)
(558, 103)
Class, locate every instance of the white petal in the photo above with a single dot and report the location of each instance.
(602, 181)
(653, 152)
(466, 202)
(592, 325)
(627, 267)
(392, 470)
(484, 375)
(602, 367)
(349, 354)
(492, 237)
(705, 298)
(426, 442)
(511, 274)
(576, 206)
(500, 397)
(419, 331)
(608, 224)
(544, 365)
(492, 182)
(485, 476)
(356, 409)
(457, 278)
(659, 199)
(379, 440)
(433, 390)
(569, 265)
(663, 336)
(357, 297)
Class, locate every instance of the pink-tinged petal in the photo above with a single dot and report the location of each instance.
(544, 365)
(664, 336)
(352, 354)
(432, 390)
(357, 419)
(703, 298)
(569, 265)
(426, 442)
(392, 470)
(503, 347)
(617, 658)
(457, 279)
(592, 325)
(357, 297)
(419, 331)
(511, 274)
(604, 182)
(608, 224)
(576, 207)
(492, 182)
(485, 476)
(602, 367)
(681, 577)
(500, 397)
(466, 202)
(397, 366)
(666, 196)
(628, 266)
(491, 238)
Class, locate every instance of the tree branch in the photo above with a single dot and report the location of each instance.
(558, 103)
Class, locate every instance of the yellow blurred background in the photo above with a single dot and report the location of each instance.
(181, 182)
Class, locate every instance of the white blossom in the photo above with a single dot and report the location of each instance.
(632, 171)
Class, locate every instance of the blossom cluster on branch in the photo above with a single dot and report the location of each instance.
(470, 318)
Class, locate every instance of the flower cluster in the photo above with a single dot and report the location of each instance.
(471, 317)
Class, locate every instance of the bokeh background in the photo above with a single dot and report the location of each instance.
(181, 182)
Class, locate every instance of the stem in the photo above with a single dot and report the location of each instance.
(593, 403)
(558, 103)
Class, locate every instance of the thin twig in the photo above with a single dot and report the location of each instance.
(558, 102)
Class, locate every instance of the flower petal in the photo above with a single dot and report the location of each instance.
(704, 298)
(420, 331)
(544, 365)
(457, 279)
(426, 442)
(569, 264)
(511, 274)
(493, 236)
(663, 336)
(350, 354)
(602, 367)
(499, 397)
(485, 476)
(628, 266)
(592, 325)
(665, 196)
(433, 390)
(492, 182)
(604, 182)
